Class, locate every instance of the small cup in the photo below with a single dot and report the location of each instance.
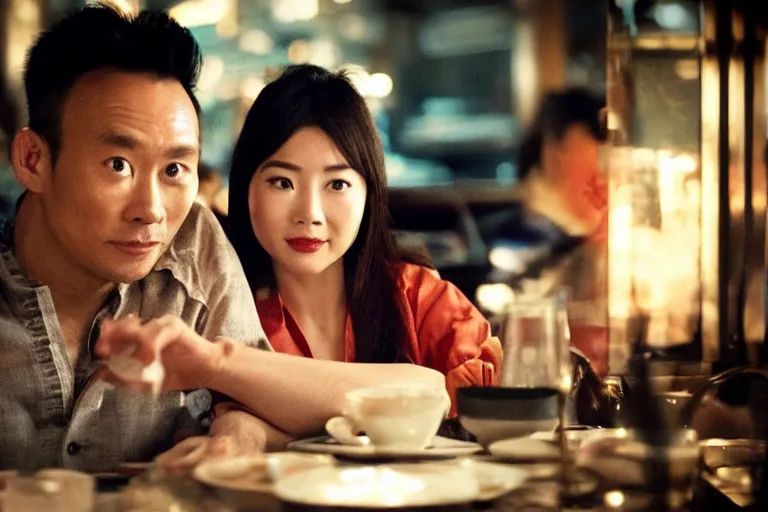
(80, 488)
(391, 417)
(51, 490)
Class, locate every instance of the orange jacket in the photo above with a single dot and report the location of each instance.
(445, 331)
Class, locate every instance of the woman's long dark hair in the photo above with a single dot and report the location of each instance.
(310, 96)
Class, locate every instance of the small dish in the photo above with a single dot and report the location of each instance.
(623, 460)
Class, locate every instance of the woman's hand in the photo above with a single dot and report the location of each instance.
(187, 358)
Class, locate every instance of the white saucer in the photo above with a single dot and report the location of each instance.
(384, 486)
(441, 448)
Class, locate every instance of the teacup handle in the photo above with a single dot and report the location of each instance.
(342, 430)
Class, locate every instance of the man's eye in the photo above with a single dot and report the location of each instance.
(173, 170)
(119, 164)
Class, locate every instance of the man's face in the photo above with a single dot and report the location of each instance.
(126, 173)
(572, 167)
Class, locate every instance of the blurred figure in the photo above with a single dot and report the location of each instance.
(212, 194)
(557, 228)
(558, 164)
(210, 184)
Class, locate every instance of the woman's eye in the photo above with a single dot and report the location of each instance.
(119, 165)
(339, 185)
(281, 183)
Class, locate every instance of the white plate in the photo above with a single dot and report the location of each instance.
(495, 479)
(441, 448)
(384, 486)
(256, 474)
(525, 449)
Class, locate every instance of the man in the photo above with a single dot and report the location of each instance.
(107, 229)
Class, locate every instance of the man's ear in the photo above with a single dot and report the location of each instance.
(31, 160)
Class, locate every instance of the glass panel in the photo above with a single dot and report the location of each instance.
(654, 166)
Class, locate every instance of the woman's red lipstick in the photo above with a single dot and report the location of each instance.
(306, 245)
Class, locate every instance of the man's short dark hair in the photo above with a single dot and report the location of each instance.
(99, 37)
(557, 112)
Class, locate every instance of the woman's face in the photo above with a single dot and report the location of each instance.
(306, 204)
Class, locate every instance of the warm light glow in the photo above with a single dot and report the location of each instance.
(525, 74)
(357, 75)
(655, 241)
(252, 86)
(353, 26)
(211, 73)
(614, 499)
(494, 297)
(198, 13)
(323, 53)
(25, 11)
(342, 1)
(256, 41)
(299, 52)
(289, 11)
(379, 85)
(507, 259)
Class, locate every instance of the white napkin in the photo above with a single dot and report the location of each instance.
(130, 369)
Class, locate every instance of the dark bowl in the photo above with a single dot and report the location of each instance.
(518, 404)
(494, 414)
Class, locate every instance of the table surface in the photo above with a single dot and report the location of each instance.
(120, 495)
(536, 495)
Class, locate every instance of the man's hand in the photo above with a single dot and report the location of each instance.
(187, 358)
(233, 434)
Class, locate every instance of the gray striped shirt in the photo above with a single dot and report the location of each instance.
(55, 415)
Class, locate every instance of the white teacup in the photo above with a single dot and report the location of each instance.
(392, 417)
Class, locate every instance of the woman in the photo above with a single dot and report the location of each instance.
(308, 214)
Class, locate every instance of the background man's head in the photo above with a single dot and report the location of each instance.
(110, 156)
(210, 184)
(560, 151)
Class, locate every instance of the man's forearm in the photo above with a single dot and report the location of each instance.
(233, 419)
(298, 395)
